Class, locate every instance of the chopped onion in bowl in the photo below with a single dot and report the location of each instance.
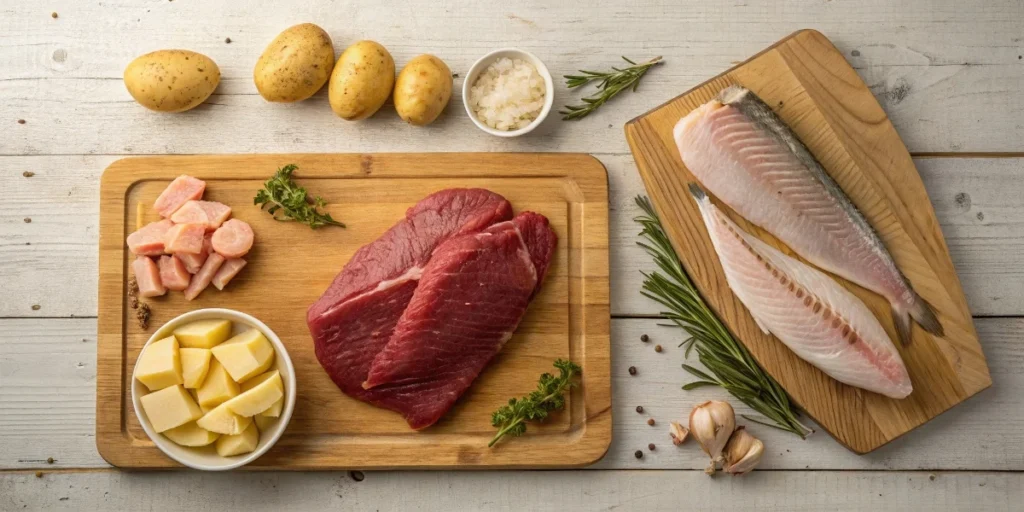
(508, 95)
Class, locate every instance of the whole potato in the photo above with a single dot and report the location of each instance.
(295, 65)
(171, 80)
(423, 89)
(361, 81)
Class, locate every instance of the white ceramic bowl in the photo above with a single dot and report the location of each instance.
(511, 53)
(206, 458)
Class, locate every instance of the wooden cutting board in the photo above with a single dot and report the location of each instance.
(812, 87)
(291, 265)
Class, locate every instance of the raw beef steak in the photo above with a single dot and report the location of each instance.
(470, 299)
(355, 317)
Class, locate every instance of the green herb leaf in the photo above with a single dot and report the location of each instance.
(286, 201)
(732, 366)
(609, 84)
(549, 396)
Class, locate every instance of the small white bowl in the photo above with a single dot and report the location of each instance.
(511, 53)
(205, 458)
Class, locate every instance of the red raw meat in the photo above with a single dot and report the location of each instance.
(354, 318)
(470, 299)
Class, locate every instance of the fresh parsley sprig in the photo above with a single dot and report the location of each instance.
(609, 84)
(549, 396)
(290, 202)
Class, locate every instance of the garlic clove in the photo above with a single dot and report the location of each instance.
(711, 424)
(678, 433)
(742, 453)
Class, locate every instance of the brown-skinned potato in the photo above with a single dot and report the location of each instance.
(361, 81)
(295, 65)
(171, 80)
(423, 89)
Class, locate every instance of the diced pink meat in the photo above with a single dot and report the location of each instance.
(209, 213)
(194, 262)
(182, 190)
(227, 271)
(233, 239)
(202, 278)
(149, 240)
(148, 277)
(185, 238)
(173, 273)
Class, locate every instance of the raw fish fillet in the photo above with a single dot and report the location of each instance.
(819, 320)
(747, 157)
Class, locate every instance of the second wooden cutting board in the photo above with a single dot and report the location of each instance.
(812, 87)
(291, 265)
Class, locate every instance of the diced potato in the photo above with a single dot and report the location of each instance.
(195, 364)
(222, 421)
(263, 422)
(195, 396)
(274, 411)
(204, 333)
(159, 365)
(218, 386)
(245, 355)
(258, 397)
(190, 434)
(244, 442)
(170, 407)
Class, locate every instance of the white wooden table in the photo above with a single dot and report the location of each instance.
(949, 73)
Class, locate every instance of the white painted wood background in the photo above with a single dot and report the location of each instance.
(949, 73)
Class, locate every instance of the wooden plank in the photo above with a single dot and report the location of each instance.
(975, 199)
(48, 399)
(524, 490)
(948, 74)
(291, 265)
(811, 86)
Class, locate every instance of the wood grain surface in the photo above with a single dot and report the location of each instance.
(812, 87)
(291, 265)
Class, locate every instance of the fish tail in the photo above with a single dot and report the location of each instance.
(921, 312)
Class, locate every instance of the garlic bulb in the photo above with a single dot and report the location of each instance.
(742, 452)
(711, 424)
(678, 433)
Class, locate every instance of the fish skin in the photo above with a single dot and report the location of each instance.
(742, 152)
(819, 320)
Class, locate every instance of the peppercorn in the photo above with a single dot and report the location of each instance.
(227, 40)
(650, 421)
(657, 348)
(650, 447)
(640, 409)
(645, 338)
(639, 454)
(632, 370)
(53, 15)
(49, 460)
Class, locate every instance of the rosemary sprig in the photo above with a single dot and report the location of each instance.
(549, 396)
(728, 363)
(287, 201)
(610, 83)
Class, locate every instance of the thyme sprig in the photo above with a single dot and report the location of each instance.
(549, 396)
